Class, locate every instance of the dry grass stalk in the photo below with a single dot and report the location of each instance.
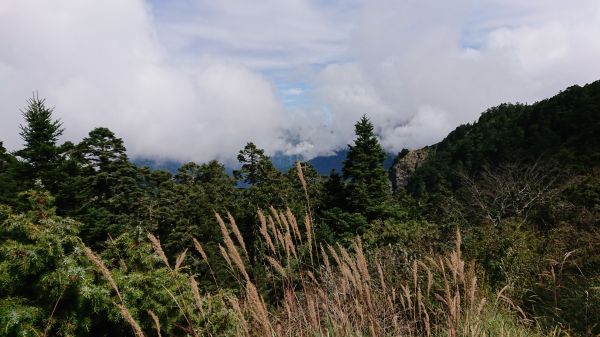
(196, 293)
(264, 232)
(280, 238)
(293, 223)
(289, 245)
(427, 323)
(158, 249)
(200, 250)
(325, 258)
(275, 215)
(286, 306)
(308, 216)
(284, 221)
(238, 234)
(361, 260)
(381, 277)
(180, 260)
(235, 304)
(277, 266)
(509, 302)
(354, 269)
(231, 249)
(258, 308)
(308, 227)
(225, 256)
(312, 313)
(156, 322)
(274, 229)
(103, 270)
(335, 255)
(137, 331)
(429, 277)
(348, 275)
(205, 258)
(301, 177)
(415, 273)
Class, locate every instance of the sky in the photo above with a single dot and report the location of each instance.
(197, 79)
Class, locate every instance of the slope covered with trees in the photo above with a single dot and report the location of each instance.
(496, 234)
(563, 129)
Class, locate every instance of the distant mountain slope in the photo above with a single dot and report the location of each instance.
(323, 164)
(564, 128)
(167, 165)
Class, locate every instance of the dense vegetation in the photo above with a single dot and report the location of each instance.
(496, 234)
(562, 130)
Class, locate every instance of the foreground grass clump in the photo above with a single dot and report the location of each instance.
(296, 286)
(341, 292)
(346, 295)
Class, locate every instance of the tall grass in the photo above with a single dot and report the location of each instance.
(326, 290)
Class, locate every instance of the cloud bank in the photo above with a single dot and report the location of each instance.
(421, 68)
(102, 64)
(196, 80)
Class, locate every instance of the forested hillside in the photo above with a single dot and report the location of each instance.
(562, 130)
(496, 234)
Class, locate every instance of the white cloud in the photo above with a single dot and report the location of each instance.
(422, 68)
(292, 91)
(101, 64)
(195, 80)
(265, 34)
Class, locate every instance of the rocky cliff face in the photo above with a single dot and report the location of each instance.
(405, 166)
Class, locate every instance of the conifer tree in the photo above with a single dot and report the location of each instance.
(40, 157)
(102, 151)
(335, 191)
(267, 186)
(367, 182)
(109, 193)
(256, 166)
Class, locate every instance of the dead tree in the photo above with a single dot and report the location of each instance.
(510, 190)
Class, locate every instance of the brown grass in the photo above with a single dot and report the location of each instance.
(200, 250)
(356, 295)
(158, 249)
(156, 322)
(137, 330)
(232, 252)
(347, 292)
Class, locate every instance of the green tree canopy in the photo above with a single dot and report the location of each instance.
(40, 155)
(267, 186)
(367, 182)
(256, 167)
(101, 150)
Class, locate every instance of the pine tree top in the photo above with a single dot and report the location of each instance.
(39, 127)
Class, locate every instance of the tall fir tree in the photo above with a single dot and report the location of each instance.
(41, 157)
(367, 183)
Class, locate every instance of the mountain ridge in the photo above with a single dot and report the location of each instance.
(563, 129)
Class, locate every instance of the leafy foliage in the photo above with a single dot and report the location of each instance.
(40, 157)
(563, 128)
(367, 183)
(91, 244)
(41, 268)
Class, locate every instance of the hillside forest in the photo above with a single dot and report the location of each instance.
(494, 231)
